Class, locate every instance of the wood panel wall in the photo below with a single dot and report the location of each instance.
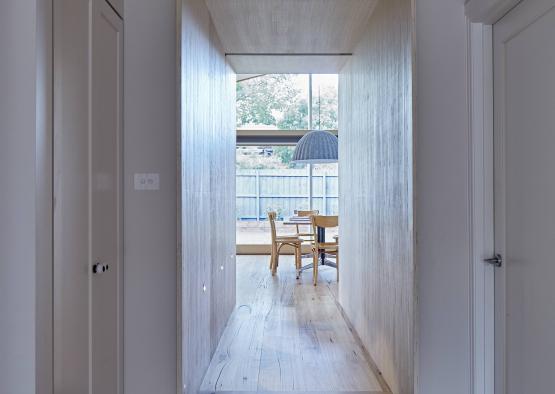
(207, 190)
(377, 283)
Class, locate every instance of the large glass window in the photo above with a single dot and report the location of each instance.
(276, 101)
(324, 101)
(280, 102)
(268, 181)
(266, 177)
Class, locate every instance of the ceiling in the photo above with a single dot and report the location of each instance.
(257, 33)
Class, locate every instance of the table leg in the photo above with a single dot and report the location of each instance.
(322, 238)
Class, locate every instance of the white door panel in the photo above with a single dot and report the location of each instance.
(71, 198)
(87, 194)
(106, 237)
(524, 68)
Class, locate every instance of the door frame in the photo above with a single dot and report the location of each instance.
(44, 111)
(481, 16)
(481, 162)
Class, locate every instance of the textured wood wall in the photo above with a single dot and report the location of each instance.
(376, 196)
(208, 190)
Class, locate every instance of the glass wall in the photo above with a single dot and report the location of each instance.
(266, 177)
(267, 181)
(280, 102)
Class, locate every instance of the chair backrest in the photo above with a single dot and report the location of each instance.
(272, 218)
(306, 213)
(308, 236)
(325, 222)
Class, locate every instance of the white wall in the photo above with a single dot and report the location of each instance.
(150, 138)
(25, 146)
(442, 199)
(17, 201)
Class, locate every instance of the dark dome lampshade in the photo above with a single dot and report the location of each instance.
(316, 146)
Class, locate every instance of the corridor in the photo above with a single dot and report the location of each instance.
(287, 335)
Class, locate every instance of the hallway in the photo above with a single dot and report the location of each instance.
(287, 335)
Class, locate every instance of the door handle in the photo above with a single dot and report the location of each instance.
(99, 268)
(496, 261)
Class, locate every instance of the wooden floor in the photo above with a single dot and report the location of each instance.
(287, 335)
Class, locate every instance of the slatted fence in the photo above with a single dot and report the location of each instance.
(284, 190)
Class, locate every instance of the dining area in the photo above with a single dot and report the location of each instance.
(310, 233)
(315, 147)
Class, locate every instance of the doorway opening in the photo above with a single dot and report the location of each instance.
(253, 319)
(284, 327)
(273, 112)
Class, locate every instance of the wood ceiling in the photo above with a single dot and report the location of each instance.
(256, 34)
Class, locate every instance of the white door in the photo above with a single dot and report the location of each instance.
(106, 212)
(88, 267)
(524, 138)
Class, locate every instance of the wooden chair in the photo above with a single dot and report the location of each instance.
(307, 236)
(319, 247)
(278, 241)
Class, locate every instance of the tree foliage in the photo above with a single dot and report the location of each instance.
(278, 101)
(324, 108)
(271, 100)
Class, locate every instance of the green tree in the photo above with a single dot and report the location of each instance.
(295, 116)
(272, 100)
(279, 100)
(324, 108)
(285, 154)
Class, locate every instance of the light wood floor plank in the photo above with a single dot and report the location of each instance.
(286, 335)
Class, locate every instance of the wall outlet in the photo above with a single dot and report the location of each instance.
(147, 181)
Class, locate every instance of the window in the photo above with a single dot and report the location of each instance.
(266, 177)
(267, 180)
(280, 102)
(324, 101)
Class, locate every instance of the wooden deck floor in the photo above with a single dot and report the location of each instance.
(287, 335)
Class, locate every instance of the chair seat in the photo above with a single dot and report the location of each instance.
(328, 249)
(323, 245)
(285, 238)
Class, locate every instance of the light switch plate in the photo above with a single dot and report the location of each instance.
(149, 181)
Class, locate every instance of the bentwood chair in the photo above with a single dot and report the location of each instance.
(279, 241)
(309, 235)
(320, 247)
